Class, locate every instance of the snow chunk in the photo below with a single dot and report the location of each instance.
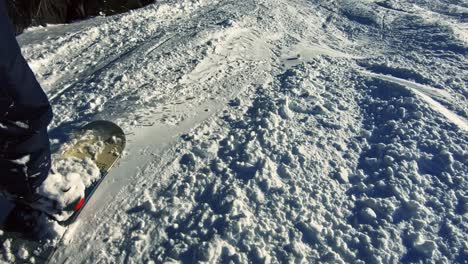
(367, 214)
(388, 159)
(310, 232)
(66, 184)
(424, 247)
(342, 175)
(86, 168)
(23, 253)
(63, 189)
(96, 103)
(284, 110)
(22, 124)
(268, 175)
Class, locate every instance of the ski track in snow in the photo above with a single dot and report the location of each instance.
(267, 131)
(427, 94)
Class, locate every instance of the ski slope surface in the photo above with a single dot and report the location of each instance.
(279, 131)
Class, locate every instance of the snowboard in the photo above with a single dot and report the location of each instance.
(112, 140)
(101, 141)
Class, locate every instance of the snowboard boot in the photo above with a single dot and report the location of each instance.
(53, 208)
(60, 195)
(53, 205)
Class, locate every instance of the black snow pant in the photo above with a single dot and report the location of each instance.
(25, 113)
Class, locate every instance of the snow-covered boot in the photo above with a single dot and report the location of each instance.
(58, 196)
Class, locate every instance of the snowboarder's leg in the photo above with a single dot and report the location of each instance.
(25, 113)
(22, 173)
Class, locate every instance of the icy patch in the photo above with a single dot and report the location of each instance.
(305, 52)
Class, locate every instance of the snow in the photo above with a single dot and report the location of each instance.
(65, 185)
(265, 131)
(22, 161)
(428, 94)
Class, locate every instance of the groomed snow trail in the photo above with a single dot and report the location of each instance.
(267, 131)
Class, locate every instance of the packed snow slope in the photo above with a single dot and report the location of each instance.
(279, 131)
